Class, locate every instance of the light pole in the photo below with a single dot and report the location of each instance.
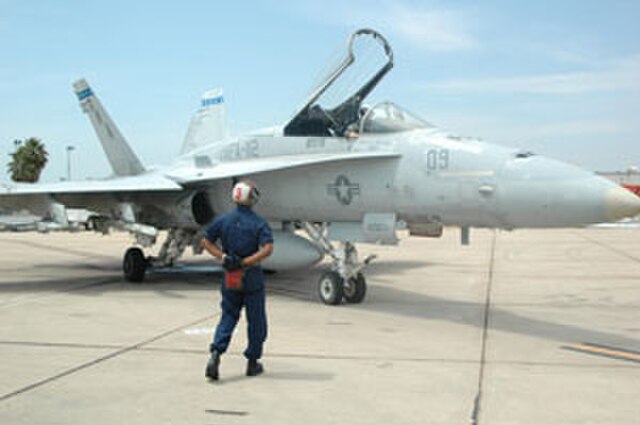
(69, 149)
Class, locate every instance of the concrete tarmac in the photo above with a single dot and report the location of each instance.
(525, 327)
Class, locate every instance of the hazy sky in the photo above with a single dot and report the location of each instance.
(561, 78)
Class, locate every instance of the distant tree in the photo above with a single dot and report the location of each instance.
(28, 160)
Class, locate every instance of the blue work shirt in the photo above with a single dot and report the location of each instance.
(242, 232)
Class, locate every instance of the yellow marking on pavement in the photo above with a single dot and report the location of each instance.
(603, 350)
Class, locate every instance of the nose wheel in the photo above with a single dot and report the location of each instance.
(355, 289)
(331, 288)
(345, 279)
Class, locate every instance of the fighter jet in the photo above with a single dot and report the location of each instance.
(341, 171)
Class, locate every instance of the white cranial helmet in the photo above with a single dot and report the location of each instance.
(245, 193)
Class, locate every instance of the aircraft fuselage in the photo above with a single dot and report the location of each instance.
(435, 177)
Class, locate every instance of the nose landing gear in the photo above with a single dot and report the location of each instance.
(355, 289)
(345, 279)
(331, 288)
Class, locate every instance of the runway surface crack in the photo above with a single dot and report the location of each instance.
(477, 402)
(609, 247)
(12, 302)
(101, 359)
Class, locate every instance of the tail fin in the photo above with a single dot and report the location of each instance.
(209, 124)
(123, 160)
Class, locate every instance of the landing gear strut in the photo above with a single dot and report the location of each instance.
(345, 279)
(135, 264)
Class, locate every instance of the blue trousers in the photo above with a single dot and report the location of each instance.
(231, 305)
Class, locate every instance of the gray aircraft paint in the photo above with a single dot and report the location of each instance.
(468, 183)
(398, 167)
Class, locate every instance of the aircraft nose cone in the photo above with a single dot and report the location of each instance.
(620, 203)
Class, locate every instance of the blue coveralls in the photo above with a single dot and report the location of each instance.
(242, 233)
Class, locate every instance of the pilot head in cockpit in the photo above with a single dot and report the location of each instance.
(353, 130)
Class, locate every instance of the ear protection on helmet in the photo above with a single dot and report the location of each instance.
(244, 193)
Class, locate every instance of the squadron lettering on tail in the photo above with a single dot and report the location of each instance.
(123, 160)
(209, 123)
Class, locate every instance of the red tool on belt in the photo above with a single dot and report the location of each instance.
(233, 279)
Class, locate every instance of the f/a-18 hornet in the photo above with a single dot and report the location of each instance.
(340, 172)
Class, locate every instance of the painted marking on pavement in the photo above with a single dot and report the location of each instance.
(227, 412)
(198, 331)
(605, 351)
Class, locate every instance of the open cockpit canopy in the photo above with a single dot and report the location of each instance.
(335, 106)
(388, 117)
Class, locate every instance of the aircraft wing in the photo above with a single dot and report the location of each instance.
(141, 183)
(188, 176)
(155, 191)
(177, 179)
(96, 194)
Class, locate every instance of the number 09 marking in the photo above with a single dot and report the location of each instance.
(437, 159)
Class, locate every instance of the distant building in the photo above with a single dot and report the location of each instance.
(629, 179)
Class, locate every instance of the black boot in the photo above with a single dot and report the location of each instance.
(212, 366)
(254, 368)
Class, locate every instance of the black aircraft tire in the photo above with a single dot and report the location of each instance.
(331, 288)
(134, 265)
(355, 292)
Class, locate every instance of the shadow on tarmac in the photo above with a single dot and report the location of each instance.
(302, 286)
(276, 376)
(472, 314)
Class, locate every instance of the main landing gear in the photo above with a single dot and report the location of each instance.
(345, 279)
(135, 264)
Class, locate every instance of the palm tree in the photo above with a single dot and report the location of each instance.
(28, 160)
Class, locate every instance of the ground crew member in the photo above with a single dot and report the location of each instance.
(246, 240)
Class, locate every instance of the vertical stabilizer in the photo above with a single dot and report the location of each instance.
(209, 124)
(123, 160)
